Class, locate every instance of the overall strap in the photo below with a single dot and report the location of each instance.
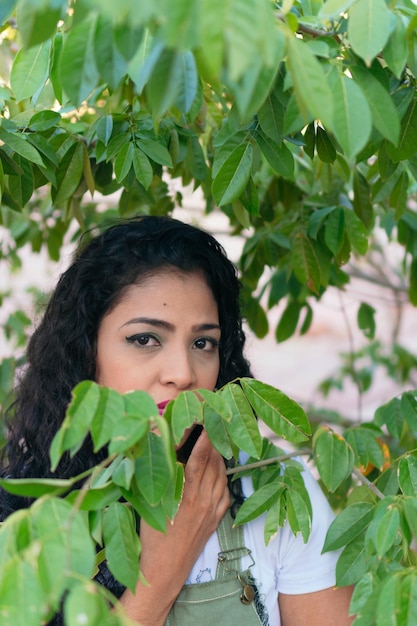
(232, 548)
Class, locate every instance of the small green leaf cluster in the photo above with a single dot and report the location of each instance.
(298, 121)
(371, 471)
(50, 548)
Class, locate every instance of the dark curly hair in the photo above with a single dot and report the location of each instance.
(62, 350)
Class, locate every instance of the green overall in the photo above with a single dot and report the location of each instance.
(225, 601)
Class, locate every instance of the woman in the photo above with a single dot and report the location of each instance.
(153, 304)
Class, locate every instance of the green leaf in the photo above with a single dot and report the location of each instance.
(44, 120)
(38, 19)
(395, 52)
(409, 506)
(256, 317)
(334, 457)
(79, 415)
(284, 416)
(258, 502)
(84, 605)
(391, 414)
(187, 410)
(275, 517)
(352, 120)
(127, 432)
(351, 565)
(110, 410)
(407, 475)
(104, 129)
(248, 31)
(305, 264)
(398, 597)
(163, 87)
(384, 113)
(310, 82)
(156, 151)
(366, 320)
(155, 516)
(188, 82)
(325, 147)
(109, 61)
(271, 118)
(233, 176)
(310, 140)
(217, 432)
(369, 28)
(299, 516)
(19, 580)
(152, 470)
(242, 428)
(142, 167)
(70, 172)
(66, 548)
(316, 220)
(123, 473)
(36, 487)
(355, 231)
(406, 147)
(384, 526)
(334, 231)
(96, 498)
(173, 495)
(278, 156)
(256, 82)
(6, 9)
(122, 544)
(334, 8)
(30, 70)
(55, 66)
(412, 289)
(409, 407)
(124, 161)
(348, 525)
(399, 195)
(216, 402)
(78, 67)
(18, 143)
(361, 593)
(362, 199)
(21, 187)
(288, 322)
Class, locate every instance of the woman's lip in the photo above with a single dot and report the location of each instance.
(161, 406)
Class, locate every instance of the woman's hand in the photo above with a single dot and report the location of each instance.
(167, 559)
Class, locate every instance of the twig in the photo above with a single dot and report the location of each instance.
(276, 459)
(368, 483)
(354, 373)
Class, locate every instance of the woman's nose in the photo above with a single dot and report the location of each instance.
(178, 370)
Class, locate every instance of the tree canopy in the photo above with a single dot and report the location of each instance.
(297, 120)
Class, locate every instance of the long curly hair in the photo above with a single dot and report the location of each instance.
(62, 350)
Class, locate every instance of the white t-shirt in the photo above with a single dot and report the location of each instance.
(287, 564)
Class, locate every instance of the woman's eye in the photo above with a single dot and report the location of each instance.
(143, 341)
(206, 343)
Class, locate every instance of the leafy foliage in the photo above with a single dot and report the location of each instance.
(298, 121)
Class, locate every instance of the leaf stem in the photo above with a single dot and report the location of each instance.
(368, 483)
(262, 462)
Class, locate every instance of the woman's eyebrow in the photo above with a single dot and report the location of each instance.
(158, 323)
(202, 327)
(151, 321)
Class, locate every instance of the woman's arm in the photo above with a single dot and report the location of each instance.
(167, 559)
(329, 607)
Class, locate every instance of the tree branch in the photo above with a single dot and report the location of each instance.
(263, 462)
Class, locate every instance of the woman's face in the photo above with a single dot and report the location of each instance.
(162, 337)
